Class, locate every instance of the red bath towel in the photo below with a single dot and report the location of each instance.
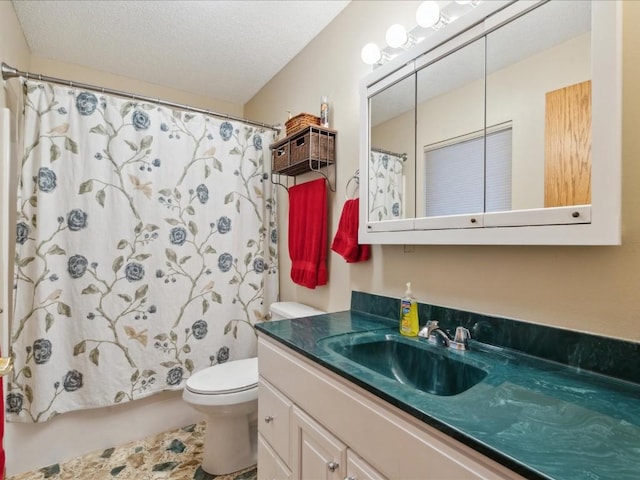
(346, 240)
(308, 233)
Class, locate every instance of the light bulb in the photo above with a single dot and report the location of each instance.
(463, 2)
(370, 54)
(428, 14)
(396, 36)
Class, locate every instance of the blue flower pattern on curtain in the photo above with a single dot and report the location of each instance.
(386, 176)
(146, 249)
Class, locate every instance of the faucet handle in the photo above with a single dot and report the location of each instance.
(461, 339)
(428, 328)
(462, 335)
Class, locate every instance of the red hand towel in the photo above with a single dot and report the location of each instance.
(308, 233)
(345, 241)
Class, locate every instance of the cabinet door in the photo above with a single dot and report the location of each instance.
(358, 469)
(316, 453)
(270, 467)
(274, 411)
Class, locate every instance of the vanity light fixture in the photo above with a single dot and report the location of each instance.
(428, 14)
(429, 18)
(372, 55)
(442, 21)
(397, 37)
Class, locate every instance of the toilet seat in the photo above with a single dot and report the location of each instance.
(231, 377)
(224, 384)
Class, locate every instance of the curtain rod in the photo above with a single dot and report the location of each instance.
(403, 156)
(10, 72)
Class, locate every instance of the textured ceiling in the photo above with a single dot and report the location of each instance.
(225, 50)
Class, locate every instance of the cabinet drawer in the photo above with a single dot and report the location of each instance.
(270, 467)
(274, 419)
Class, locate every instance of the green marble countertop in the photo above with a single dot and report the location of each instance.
(542, 419)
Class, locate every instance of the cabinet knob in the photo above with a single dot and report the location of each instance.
(333, 466)
(473, 220)
(268, 419)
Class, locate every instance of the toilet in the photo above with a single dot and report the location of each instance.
(227, 394)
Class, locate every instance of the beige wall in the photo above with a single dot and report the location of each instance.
(77, 73)
(14, 50)
(592, 289)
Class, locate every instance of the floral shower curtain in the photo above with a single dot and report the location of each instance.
(386, 177)
(146, 249)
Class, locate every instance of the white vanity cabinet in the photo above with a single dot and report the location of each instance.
(291, 444)
(338, 430)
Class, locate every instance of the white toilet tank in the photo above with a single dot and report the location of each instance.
(282, 310)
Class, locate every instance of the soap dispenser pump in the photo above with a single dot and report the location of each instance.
(409, 324)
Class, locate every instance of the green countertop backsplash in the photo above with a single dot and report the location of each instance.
(554, 404)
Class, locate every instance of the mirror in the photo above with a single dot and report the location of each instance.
(450, 167)
(391, 156)
(496, 124)
(538, 81)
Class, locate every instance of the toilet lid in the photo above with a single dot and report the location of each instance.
(230, 377)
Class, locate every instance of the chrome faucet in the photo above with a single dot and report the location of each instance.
(436, 335)
(440, 337)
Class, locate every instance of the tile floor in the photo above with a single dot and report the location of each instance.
(174, 455)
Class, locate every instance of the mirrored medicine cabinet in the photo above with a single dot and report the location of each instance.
(504, 127)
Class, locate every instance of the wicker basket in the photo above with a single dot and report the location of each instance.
(301, 121)
(303, 151)
(280, 157)
(313, 145)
